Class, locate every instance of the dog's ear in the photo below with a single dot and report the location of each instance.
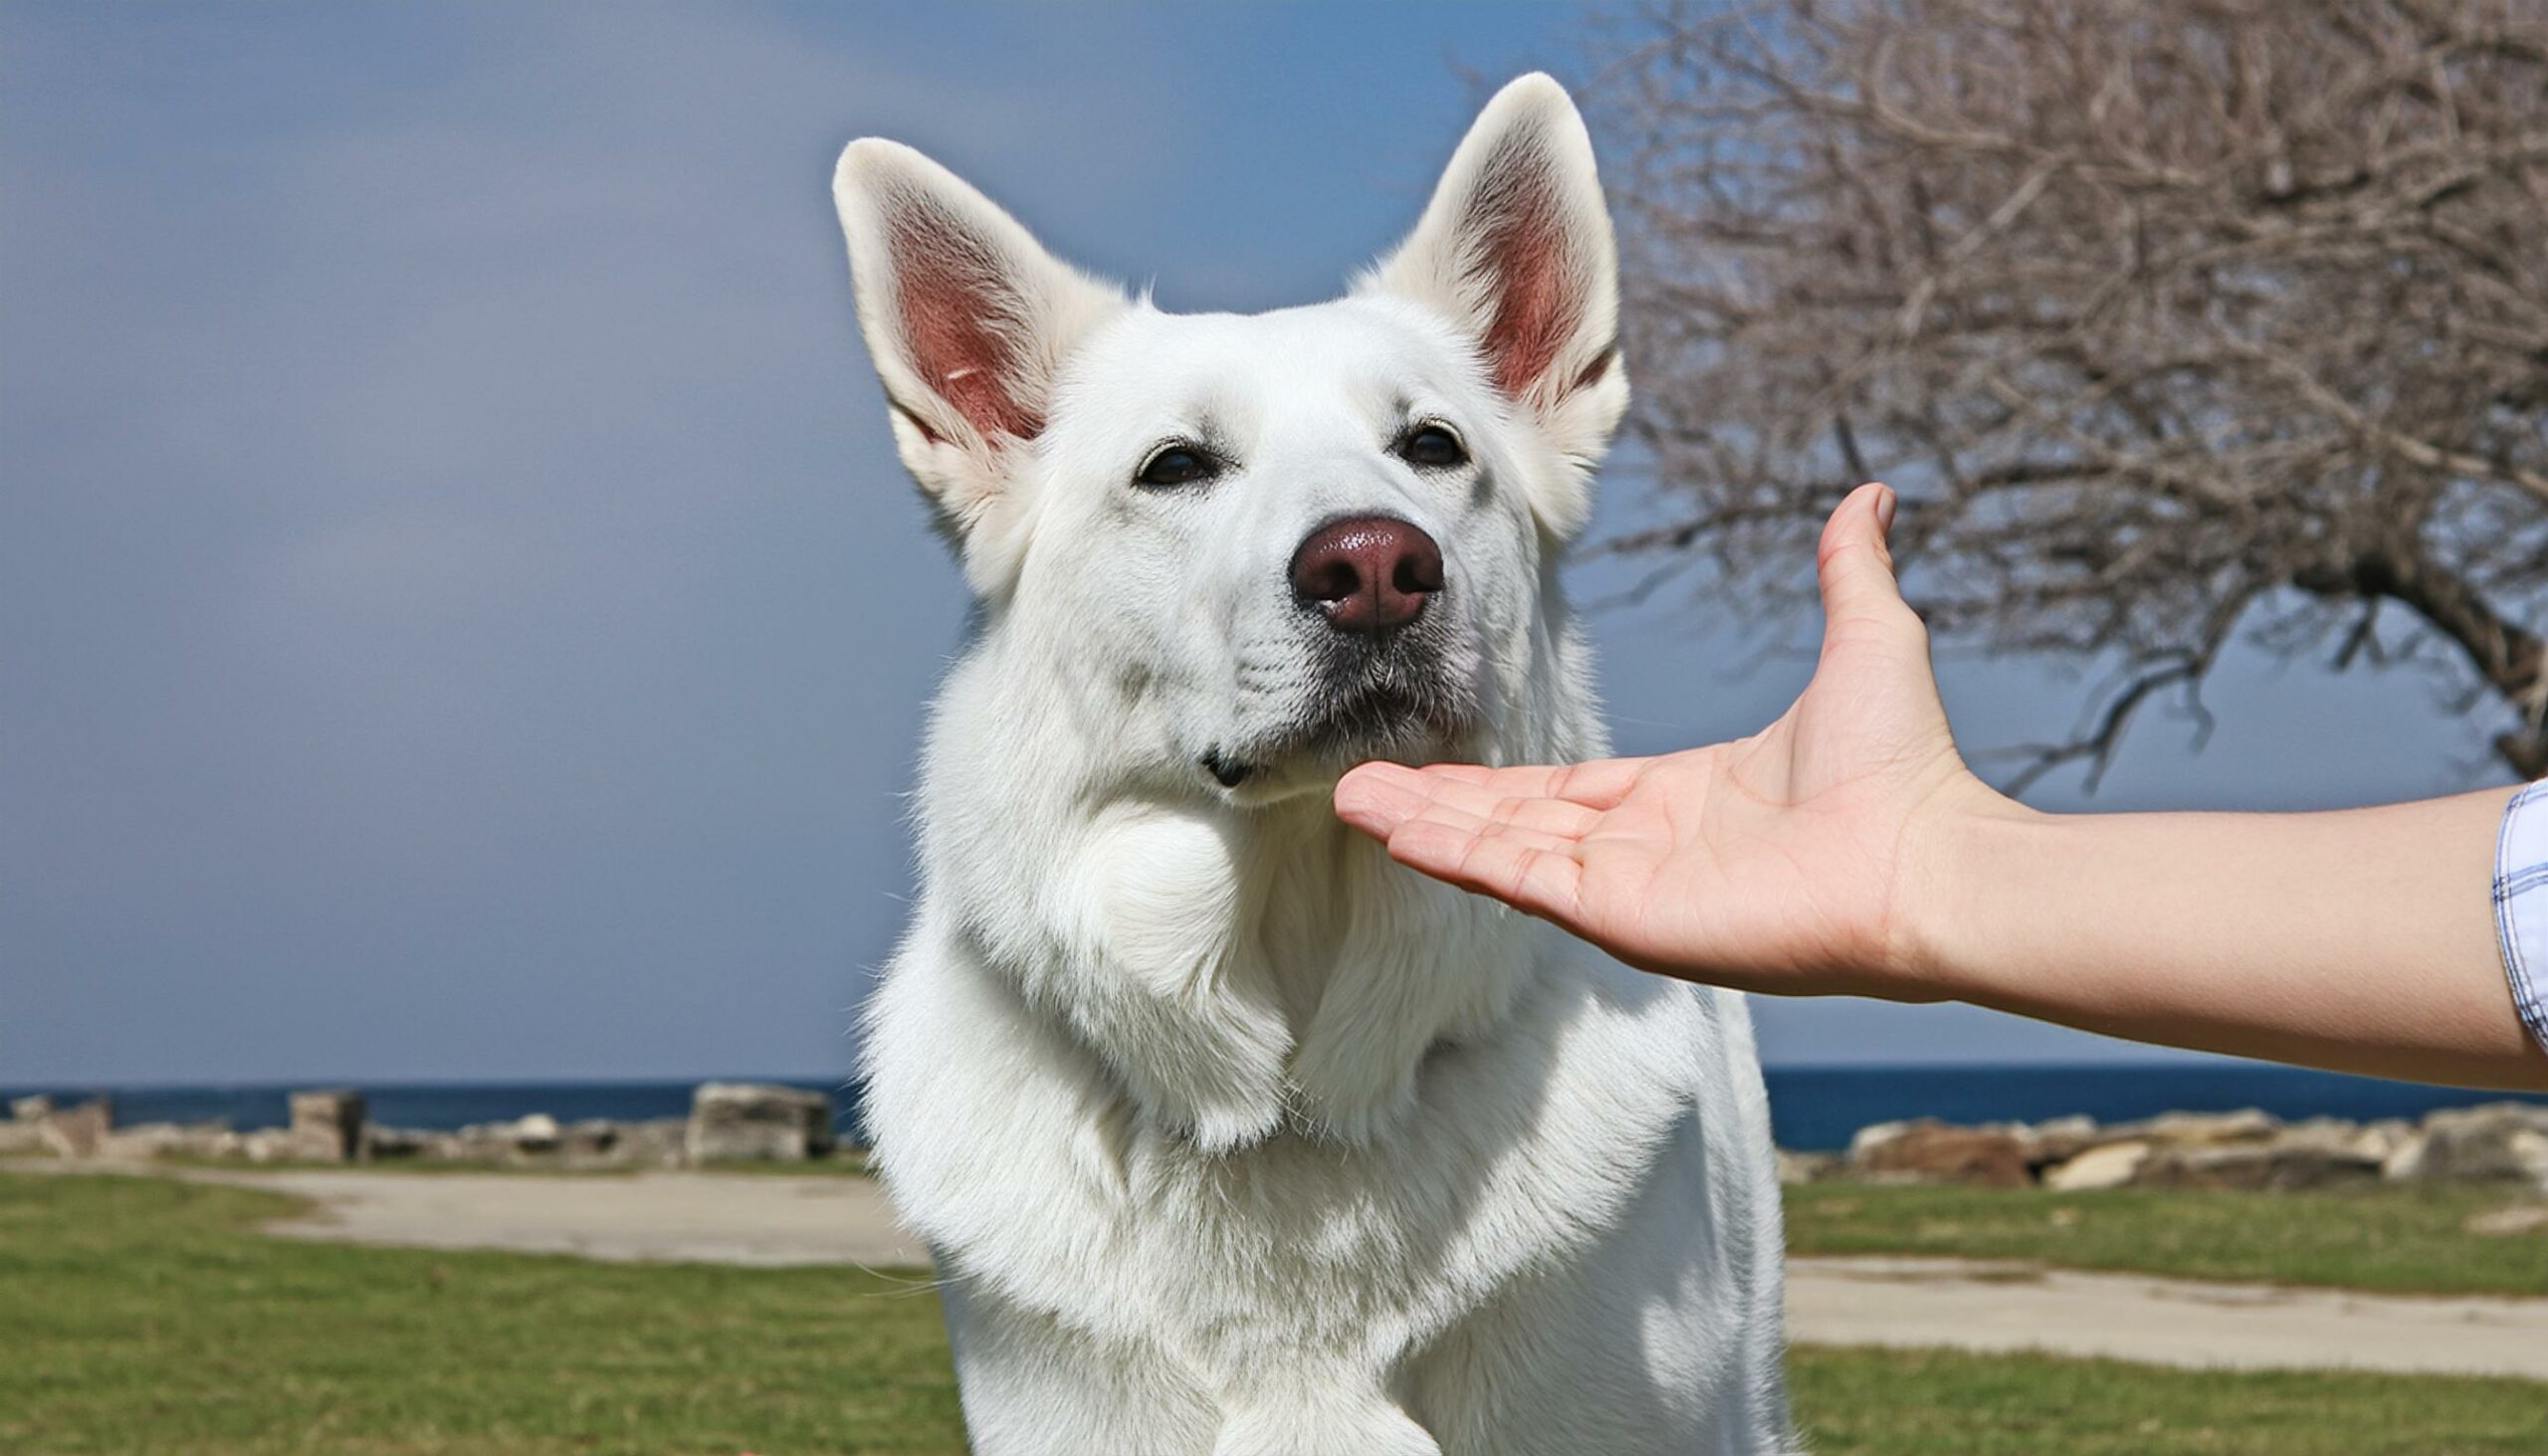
(1515, 249)
(968, 321)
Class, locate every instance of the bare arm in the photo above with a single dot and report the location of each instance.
(1848, 849)
(2362, 941)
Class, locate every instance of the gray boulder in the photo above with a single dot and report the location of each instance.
(163, 1139)
(80, 1131)
(656, 1142)
(2280, 1168)
(392, 1143)
(536, 1133)
(2498, 1142)
(1806, 1167)
(2107, 1166)
(747, 1122)
(326, 1125)
(2057, 1139)
(1930, 1151)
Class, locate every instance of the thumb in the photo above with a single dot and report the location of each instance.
(1855, 565)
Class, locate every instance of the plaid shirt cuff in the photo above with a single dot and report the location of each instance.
(2521, 904)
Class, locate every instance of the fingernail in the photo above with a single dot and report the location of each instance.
(1886, 502)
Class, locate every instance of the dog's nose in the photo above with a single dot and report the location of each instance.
(1368, 574)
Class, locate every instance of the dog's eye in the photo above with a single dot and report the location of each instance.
(1177, 464)
(1432, 445)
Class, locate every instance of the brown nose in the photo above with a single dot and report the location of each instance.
(1367, 574)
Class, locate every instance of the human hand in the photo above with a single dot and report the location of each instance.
(1795, 861)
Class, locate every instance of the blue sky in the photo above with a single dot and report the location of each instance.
(463, 617)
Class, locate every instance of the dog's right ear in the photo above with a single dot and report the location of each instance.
(968, 321)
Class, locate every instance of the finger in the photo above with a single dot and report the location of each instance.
(1531, 872)
(1598, 784)
(1378, 797)
(1855, 565)
(1484, 801)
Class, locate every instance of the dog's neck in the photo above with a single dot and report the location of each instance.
(1237, 971)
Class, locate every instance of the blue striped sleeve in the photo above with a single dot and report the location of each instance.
(2521, 904)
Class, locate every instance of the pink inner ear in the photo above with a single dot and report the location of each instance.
(1515, 214)
(960, 315)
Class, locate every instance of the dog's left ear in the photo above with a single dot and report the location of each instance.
(1515, 249)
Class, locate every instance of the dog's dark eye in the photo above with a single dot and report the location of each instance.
(1432, 446)
(1177, 464)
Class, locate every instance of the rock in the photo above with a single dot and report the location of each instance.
(2384, 1138)
(268, 1145)
(1806, 1167)
(2110, 1165)
(656, 1142)
(30, 1109)
(1930, 1151)
(161, 1139)
(2256, 1168)
(326, 1125)
(2319, 1133)
(80, 1131)
(2057, 1139)
(2504, 1141)
(536, 1133)
(2206, 1130)
(392, 1143)
(1875, 1135)
(19, 1138)
(477, 1142)
(752, 1121)
(594, 1139)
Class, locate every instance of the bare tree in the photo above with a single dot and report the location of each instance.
(2174, 322)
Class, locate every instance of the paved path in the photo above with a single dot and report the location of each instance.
(776, 1220)
(2171, 1322)
(763, 1220)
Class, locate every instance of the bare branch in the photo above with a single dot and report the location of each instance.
(2172, 320)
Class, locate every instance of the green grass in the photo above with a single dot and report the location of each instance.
(1855, 1403)
(146, 1315)
(2397, 1240)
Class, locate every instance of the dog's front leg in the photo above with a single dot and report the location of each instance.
(1155, 980)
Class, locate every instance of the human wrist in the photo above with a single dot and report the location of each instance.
(1964, 866)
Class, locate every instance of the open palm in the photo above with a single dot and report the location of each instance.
(1780, 862)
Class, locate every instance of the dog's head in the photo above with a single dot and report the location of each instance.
(1288, 542)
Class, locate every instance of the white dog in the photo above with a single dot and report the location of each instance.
(1230, 1136)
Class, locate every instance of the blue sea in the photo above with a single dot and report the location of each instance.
(1813, 1108)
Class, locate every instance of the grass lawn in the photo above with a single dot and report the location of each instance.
(1949, 1403)
(142, 1315)
(2400, 1240)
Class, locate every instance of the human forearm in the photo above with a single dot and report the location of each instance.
(2361, 940)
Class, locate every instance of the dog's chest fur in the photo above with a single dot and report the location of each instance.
(1491, 1100)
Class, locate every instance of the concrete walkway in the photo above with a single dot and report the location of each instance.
(769, 1220)
(779, 1220)
(1976, 1306)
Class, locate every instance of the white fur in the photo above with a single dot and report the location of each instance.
(1229, 1134)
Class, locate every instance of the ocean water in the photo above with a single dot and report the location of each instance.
(1813, 1108)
